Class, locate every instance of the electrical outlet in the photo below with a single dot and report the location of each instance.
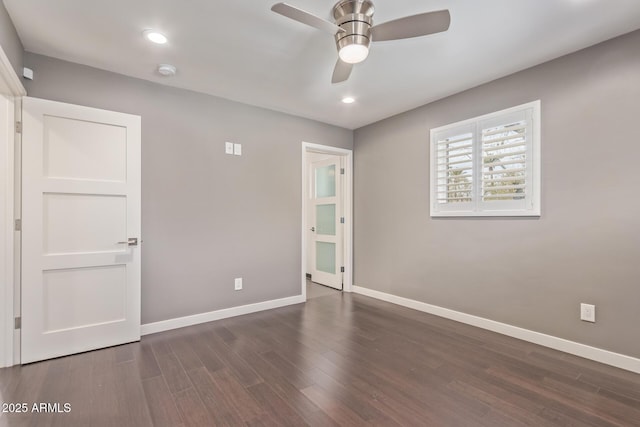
(238, 283)
(228, 147)
(588, 312)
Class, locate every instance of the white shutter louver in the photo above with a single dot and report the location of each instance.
(455, 169)
(504, 162)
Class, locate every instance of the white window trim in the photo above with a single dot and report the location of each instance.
(532, 208)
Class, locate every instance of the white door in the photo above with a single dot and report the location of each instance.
(326, 197)
(80, 219)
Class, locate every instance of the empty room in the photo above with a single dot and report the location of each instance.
(319, 213)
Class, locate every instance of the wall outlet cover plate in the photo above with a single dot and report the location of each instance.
(588, 312)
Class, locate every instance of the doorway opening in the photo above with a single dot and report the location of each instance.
(326, 217)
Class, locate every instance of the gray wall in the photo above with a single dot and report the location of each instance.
(9, 40)
(207, 217)
(531, 273)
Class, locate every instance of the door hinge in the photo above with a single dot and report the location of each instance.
(18, 127)
(341, 171)
(17, 225)
(341, 220)
(341, 269)
(17, 322)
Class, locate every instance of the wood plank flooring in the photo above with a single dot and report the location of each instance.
(339, 359)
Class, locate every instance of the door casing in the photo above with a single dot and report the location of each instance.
(308, 147)
(12, 89)
(6, 231)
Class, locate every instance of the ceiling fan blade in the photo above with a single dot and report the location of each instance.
(341, 72)
(412, 26)
(300, 15)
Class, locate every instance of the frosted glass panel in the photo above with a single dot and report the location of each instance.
(326, 257)
(326, 219)
(326, 181)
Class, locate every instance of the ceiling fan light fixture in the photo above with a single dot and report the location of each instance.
(353, 29)
(353, 53)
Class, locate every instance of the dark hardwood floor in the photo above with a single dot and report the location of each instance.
(340, 359)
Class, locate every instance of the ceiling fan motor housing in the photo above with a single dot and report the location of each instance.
(356, 18)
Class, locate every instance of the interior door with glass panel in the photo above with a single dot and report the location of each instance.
(326, 198)
(80, 229)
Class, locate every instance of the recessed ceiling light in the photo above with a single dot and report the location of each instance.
(155, 36)
(348, 100)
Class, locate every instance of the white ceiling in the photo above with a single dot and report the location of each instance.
(240, 50)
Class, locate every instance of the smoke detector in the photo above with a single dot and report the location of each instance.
(166, 70)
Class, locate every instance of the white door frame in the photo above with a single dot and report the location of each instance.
(12, 90)
(347, 155)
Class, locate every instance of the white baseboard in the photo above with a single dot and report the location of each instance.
(181, 322)
(593, 353)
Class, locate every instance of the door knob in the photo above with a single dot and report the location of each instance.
(313, 229)
(133, 241)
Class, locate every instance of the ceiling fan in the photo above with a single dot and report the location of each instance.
(354, 30)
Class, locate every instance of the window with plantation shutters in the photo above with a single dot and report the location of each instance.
(454, 167)
(488, 165)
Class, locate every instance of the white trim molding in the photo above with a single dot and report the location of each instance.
(196, 319)
(12, 90)
(347, 234)
(593, 353)
(10, 83)
(6, 230)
